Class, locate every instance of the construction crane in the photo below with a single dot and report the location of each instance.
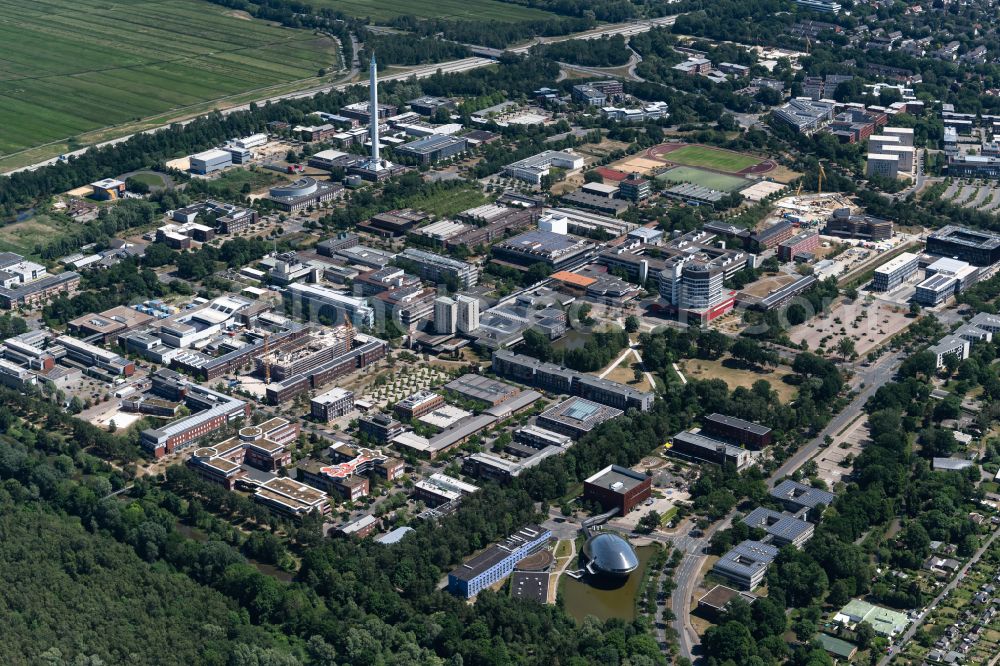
(820, 177)
(267, 360)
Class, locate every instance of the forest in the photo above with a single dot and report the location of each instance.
(604, 52)
(405, 49)
(74, 597)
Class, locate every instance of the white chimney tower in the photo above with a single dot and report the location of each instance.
(373, 109)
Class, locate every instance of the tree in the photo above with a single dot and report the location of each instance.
(863, 635)
(839, 594)
(751, 352)
(730, 641)
(845, 347)
(631, 324)
(922, 363)
(804, 628)
(712, 344)
(649, 522)
(136, 185)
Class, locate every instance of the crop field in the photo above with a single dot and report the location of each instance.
(472, 10)
(710, 179)
(712, 158)
(71, 67)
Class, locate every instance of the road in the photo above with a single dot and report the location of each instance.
(937, 600)
(421, 72)
(633, 63)
(687, 574)
(610, 30)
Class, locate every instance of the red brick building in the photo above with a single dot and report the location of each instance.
(618, 487)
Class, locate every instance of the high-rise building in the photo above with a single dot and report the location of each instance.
(445, 316)
(468, 313)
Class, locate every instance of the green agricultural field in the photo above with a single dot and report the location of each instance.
(711, 158)
(472, 10)
(70, 67)
(715, 181)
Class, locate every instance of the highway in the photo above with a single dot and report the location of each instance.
(420, 72)
(687, 574)
(624, 29)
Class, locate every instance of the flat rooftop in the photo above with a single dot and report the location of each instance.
(734, 422)
(581, 414)
(496, 553)
(617, 478)
(482, 388)
(532, 585)
(802, 494)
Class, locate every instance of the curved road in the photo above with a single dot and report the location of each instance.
(687, 575)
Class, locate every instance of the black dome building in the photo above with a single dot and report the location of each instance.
(609, 555)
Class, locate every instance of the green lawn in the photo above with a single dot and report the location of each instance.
(712, 158)
(715, 181)
(69, 68)
(474, 10)
(231, 183)
(450, 202)
(148, 178)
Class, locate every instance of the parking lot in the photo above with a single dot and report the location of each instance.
(662, 505)
(868, 322)
(975, 194)
(830, 462)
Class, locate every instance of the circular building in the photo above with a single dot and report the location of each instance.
(609, 555)
(302, 187)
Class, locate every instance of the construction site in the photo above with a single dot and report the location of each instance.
(311, 351)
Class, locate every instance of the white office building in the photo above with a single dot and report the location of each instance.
(895, 272)
(824, 6)
(878, 143)
(445, 316)
(313, 302)
(905, 134)
(210, 161)
(882, 164)
(532, 169)
(904, 157)
(468, 313)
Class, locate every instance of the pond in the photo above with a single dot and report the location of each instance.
(573, 339)
(586, 596)
(199, 535)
